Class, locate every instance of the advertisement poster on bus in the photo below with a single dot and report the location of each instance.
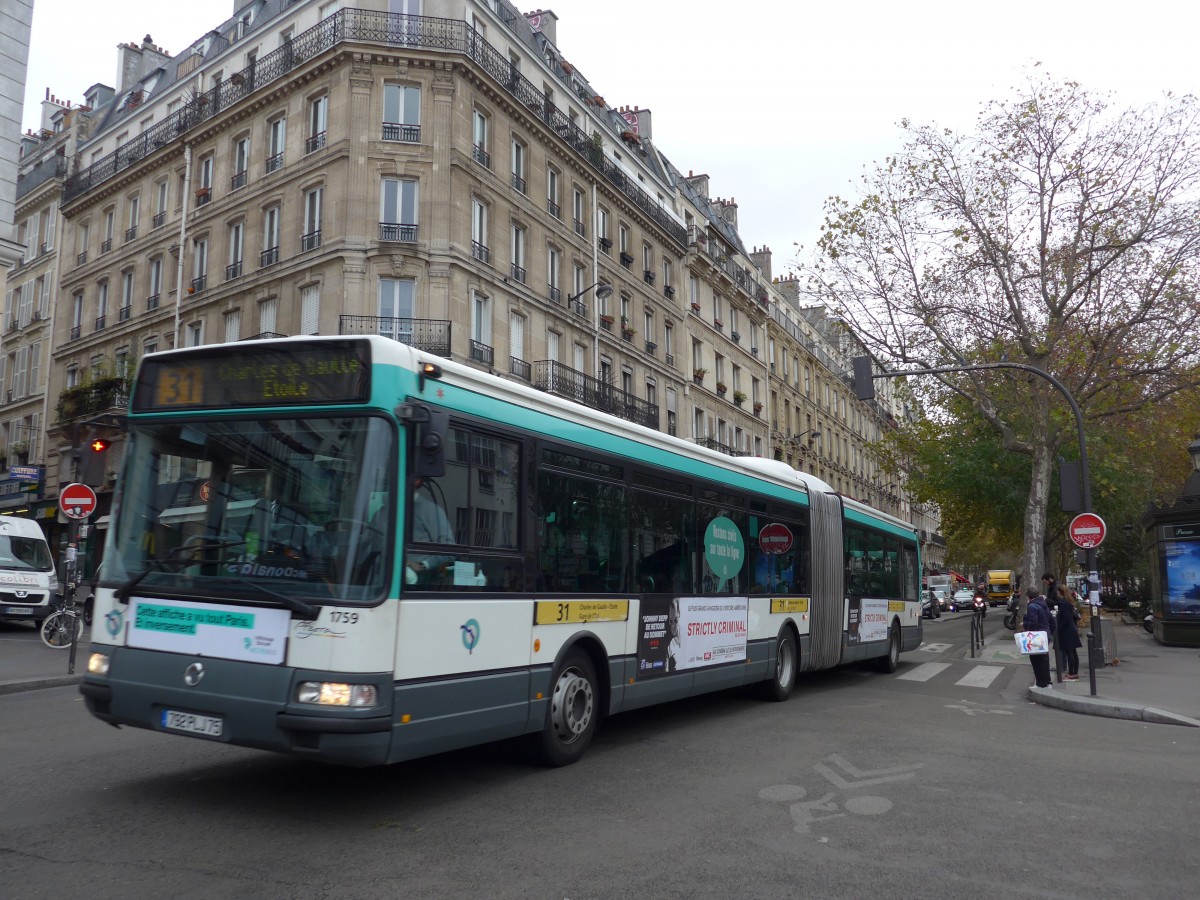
(690, 633)
(868, 621)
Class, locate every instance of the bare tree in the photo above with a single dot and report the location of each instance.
(1062, 234)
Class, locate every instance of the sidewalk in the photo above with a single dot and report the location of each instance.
(27, 664)
(1150, 682)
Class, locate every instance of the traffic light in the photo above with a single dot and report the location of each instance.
(93, 464)
(864, 383)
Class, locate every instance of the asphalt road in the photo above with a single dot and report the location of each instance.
(861, 785)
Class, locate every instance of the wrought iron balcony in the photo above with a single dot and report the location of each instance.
(554, 209)
(580, 228)
(480, 252)
(519, 368)
(238, 180)
(314, 143)
(482, 353)
(152, 302)
(405, 134)
(518, 272)
(159, 219)
(398, 232)
(81, 259)
(713, 444)
(233, 270)
(123, 313)
(555, 294)
(131, 233)
(203, 196)
(106, 245)
(481, 156)
(198, 284)
(553, 377)
(431, 335)
(274, 162)
(518, 182)
(101, 322)
(268, 257)
(310, 241)
(93, 398)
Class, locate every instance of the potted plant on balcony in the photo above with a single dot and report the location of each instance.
(721, 387)
(696, 307)
(606, 320)
(699, 374)
(628, 331)
(758, 407)
(739, 397)
(629, 137)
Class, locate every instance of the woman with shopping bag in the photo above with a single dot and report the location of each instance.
(1037, 619)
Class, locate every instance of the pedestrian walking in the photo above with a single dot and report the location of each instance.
(1037, 618)
(1069, 642)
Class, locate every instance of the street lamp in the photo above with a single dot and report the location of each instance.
(603, 292)
(814, 432)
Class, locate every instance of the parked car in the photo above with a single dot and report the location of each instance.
(962, 600)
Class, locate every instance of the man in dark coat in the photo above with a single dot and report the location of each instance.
(1037, 618)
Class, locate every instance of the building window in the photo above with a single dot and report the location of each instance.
(518, 166)
(237, 232)
(479, 139)
(318, 123)
(233, 325)
(397, 299)
(241, 160)
(401, 113)
(312, 219)
(267, 312)
(310, 309)
(479, 236)
(276, 143)
(552, 193)
(518, 253)
(398, 210)
(270, 249)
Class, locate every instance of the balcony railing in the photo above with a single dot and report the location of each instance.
(482, 353)
(106, 245)
(101, 322)
(580, 228)
(81, 259)
(517, 272)
(91, 399)
(713, 444)
(198, 284)
(274, 162)
(519, 368)
(315, 142)
(159, 219)
(406, 134)
(554, 294)
(518, 182)
(152, 303)
(131, 233)
(480, 252)
(481, 156)
(310, 241)
(233, 270)
(554, 209)
(431, 335)
(75, 331)
(356, 26)
(123, 313)
(238, 180)
(268, 257)
(397, 231)
(555, 378)
(203, 196)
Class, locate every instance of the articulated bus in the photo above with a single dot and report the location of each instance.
(348, 550)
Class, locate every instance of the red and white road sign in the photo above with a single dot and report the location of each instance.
(77, 501)
(1087, 530)
(775, 538)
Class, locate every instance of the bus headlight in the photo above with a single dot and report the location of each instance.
(332, 693)
(98, 664)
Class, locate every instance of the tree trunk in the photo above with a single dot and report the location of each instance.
(1033, 554)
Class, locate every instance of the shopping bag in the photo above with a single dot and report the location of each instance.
(1030, 643)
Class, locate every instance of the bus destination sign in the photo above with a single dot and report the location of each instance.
(322, 372)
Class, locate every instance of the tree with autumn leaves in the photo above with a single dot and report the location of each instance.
(1062, 233)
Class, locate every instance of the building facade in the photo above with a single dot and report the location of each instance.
(448, 180)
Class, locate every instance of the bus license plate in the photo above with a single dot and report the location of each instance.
(193, 724)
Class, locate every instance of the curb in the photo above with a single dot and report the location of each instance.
(1113, 709)
(36, 684)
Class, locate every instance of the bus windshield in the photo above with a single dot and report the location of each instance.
(298, 506)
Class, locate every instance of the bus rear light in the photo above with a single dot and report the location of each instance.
(98, 664)
(332, 693)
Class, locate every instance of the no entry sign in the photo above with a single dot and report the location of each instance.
(1087, 530)
(775, 538)
(77, 501)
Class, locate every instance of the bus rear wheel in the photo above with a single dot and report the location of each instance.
(891, 662)
(571, 717)
(779, 686)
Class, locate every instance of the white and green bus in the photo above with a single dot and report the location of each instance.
(349, 550)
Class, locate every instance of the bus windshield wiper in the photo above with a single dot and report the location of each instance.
(296, 605)
(160, 564)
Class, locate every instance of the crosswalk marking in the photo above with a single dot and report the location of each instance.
(924, 671)
(980, 676)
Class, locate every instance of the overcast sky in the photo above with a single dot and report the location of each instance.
(780, 102)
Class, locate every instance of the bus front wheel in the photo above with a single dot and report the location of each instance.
(571, 717)
(783, 678)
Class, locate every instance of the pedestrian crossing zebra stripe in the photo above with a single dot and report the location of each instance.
(978, 677)
(924, 671)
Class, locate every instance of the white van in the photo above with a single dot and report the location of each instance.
(28, 581)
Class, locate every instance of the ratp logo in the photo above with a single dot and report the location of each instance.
(113, 622)
(470, 634)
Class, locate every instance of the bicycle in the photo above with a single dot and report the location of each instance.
(57, 628)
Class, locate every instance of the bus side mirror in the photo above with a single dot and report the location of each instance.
(430, 461)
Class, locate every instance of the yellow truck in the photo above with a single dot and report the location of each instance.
(1000, 585)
